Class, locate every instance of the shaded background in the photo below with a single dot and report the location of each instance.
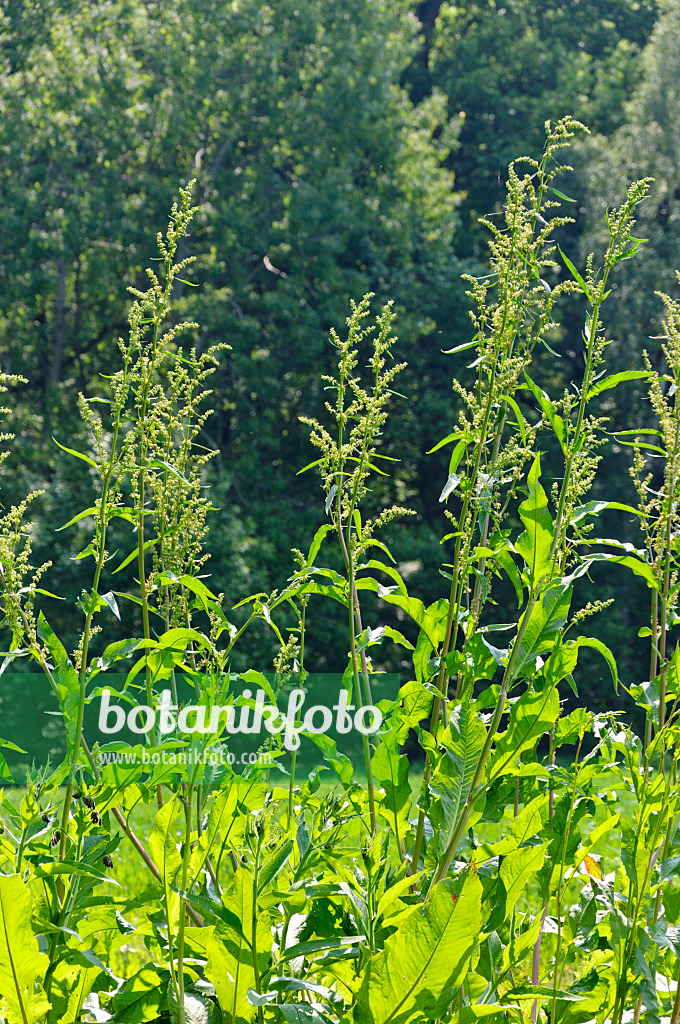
(339, 147)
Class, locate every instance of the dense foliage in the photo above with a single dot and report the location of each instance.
(339, 148)
(504, 843)
(531, 871)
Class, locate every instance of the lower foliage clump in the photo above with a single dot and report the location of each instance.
(530, 873)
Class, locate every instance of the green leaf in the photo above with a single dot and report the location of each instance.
(141, 998)
(329, 498)
(169, 468)
(575, 274)
(390, 771)
(531, 717)
(310, 465)
(231, 962)
(535, 543)
(166, 856)
(450, 486)
(425, 961)
(318, 540)
(516, 869)
(340, 763)
(636, 565)
(463, 741)
(502, 555)
(78, 455)
(71, 867)
(431, 620)
(518, 416)
(546, 619)
(597, 645)
(72, 981)
(22, 966)
(560, 195)
(455, 436)
(554, 419)
(273, 865)
(110, 601)
(134, 554)
(122, 649)
(594, 508)
(611, 382)
(538, 991)
(76, 519)
(66, 679)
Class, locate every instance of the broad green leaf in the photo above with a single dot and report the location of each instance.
(540, 992)
(340, 763)
(548, 408)
(71, 867)
(72, 981)
(575, 274)
(535, 543)
(319, 946)
(594, 508)
(432, 620)
(222, 815)
(273, 865)
(502, 555)
(375, 563)
(122, 649)
(22, 966)
(390, 771)
(452, 779)
(230, 965)
(479, 1011)
(424, 962)
(166, 856)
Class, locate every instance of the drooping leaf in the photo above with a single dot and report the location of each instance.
(548, 408)
(142, 997)
(636, 565)
(166, 856)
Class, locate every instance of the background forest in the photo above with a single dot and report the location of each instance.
(339, 147)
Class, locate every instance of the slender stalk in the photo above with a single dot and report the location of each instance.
(459, 828)
(183, 905)
(293, 759)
